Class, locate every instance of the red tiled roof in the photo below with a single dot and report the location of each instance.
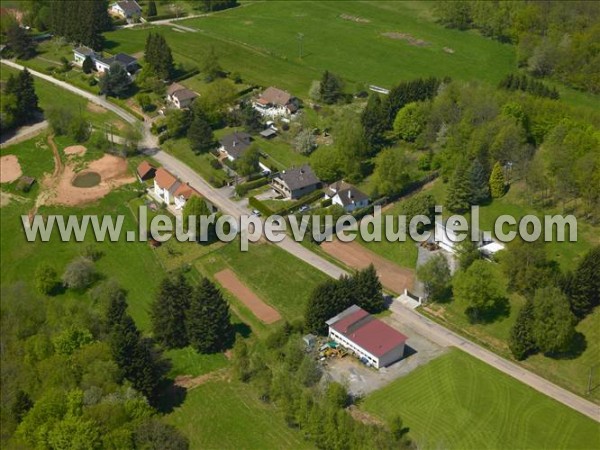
(186, 191)
(377, 337)
(369, 333)
(144, 168)
(343, 324)
(164, 178)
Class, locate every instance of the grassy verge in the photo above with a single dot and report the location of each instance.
(457, 401)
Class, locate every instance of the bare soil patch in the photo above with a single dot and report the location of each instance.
(10, 169)
(409, 38)
(95, 108)
(364, 417)
(265, 313)
(59, 189)
(354, 18)
(448, 50)
(393, 277)
(75, 150)
(6, 198)
(189, 382)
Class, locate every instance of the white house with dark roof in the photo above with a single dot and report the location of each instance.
(126, 9)
(296, 182)
(346, 195)
(80, 53)
(179, 96)
(234, 144)
(274, 102)
(129, 63)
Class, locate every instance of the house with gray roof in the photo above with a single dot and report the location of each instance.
(346, 195)
(296, 182)
(127, 9)
(234, 144)
(179, 96)
(129, 63)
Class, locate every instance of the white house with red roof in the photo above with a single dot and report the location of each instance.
(171, 190)
(373, 341)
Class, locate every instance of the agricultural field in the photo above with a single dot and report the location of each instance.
(456, 401)
(228, 415)
(274, 275)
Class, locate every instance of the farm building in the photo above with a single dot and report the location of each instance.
(145, 171)
(370, 339)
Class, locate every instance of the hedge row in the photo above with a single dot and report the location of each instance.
(260, 206)
(244, 188)
(265, 210)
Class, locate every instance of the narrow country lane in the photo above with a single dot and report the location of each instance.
(426, 326)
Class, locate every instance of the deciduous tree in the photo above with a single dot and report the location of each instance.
(435, 275)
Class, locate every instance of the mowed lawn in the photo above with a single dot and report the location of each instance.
(458, 402)
(260, 41)
(278, 278)
(52, 96)
(224, 414)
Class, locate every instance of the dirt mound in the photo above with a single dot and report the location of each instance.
(75, 150)
(95, 108)
(406, 37)
(229, 280)
(10, 169)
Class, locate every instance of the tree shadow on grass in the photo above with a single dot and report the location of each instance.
(500, 309)
(576, 348)
(242, 329)
(171, 396)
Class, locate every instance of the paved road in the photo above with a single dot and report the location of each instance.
(25, 133)
(425, 326)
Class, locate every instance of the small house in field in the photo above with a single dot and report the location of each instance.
(179, 96)
(126, 9)
(145, 171)
(296, 182)
(374, 342)
(347, 196)
(274, 102)
(234, 145)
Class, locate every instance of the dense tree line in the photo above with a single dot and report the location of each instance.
(19, 101)
(63, 383)
(333, 296)
(198, 316)
(524, 83)
(284, 374)
(218, 5)
(555, 39)
(80, 22)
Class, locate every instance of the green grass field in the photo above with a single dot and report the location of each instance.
(259, 40)
(458, 402)
(51, 95)
(277, 277)
(224, 414)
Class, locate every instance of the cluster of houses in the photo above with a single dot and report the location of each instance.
(166, 188)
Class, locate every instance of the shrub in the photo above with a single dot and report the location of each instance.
(46, 279)
(79, 274)
(243, 189)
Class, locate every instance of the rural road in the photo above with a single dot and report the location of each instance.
(429, 328)
(25, 133)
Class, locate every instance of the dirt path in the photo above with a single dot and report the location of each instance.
(393, 277)
(265, 313)
(188, 382)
